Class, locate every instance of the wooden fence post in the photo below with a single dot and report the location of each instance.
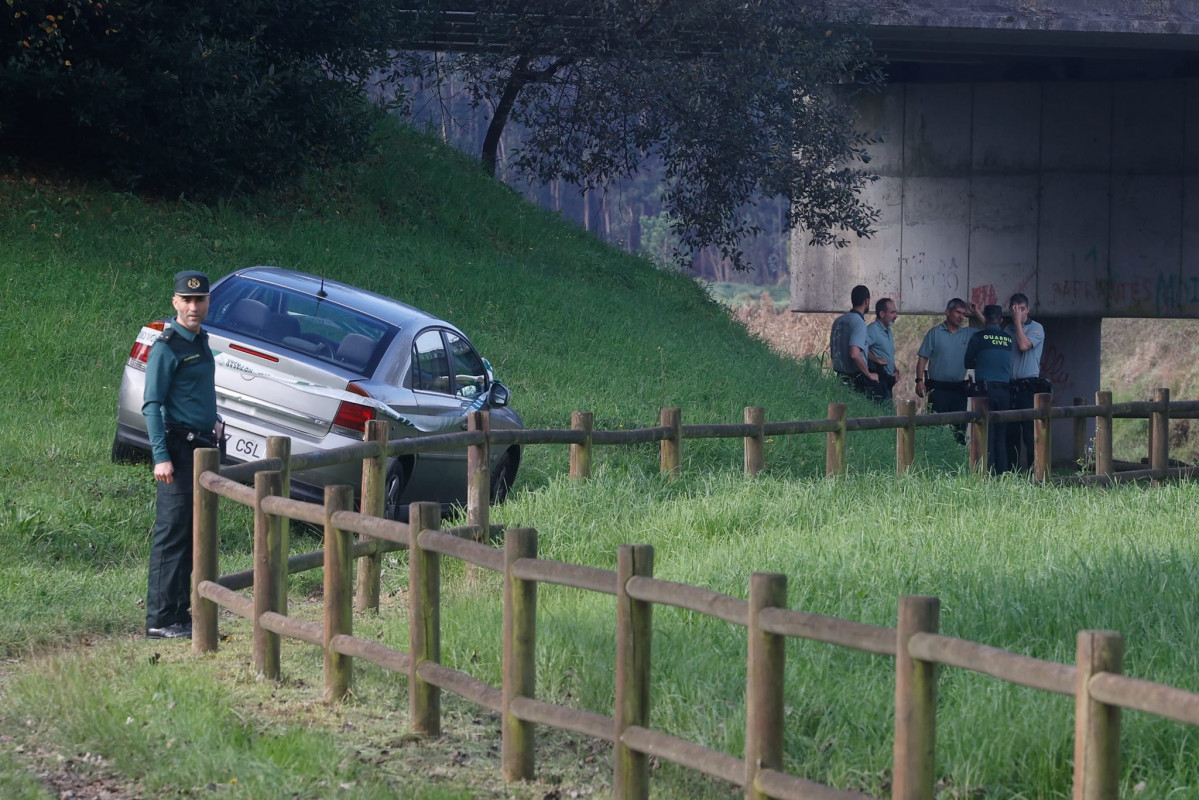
(1042, 428)
(205, 551)
(764, 683)
(1103, 435)
(980, 436)
(755, 454)
(915, 703)
(905, 437)
(478, 476)
(267, 572)
(634, 633)
(1096, 725)
(834, 453)
(1080, 435)
(339, 588)
(424, 619)
(374, 498)
(580, 454)
(672, 445)
(280, 447)
(1159, 433)
(520, 664)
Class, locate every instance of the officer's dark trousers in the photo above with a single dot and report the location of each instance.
(168, 599)
(944, 401)
(999, 398)
(1018, 433)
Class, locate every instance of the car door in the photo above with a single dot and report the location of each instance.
(449, 380)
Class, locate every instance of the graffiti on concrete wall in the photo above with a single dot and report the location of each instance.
(921, 271)
(1164, 293)
(984, 295)
(1053, 367)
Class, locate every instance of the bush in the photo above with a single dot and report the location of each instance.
(204, 98)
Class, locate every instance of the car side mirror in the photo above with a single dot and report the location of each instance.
(499, 395)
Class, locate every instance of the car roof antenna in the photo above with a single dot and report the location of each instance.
(322, 294)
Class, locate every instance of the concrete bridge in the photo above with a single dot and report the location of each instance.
(1043, 146)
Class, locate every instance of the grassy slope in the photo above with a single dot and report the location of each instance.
(568, 324)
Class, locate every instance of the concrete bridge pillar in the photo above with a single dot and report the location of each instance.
(1071, 361)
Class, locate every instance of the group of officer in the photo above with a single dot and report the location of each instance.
(864, 355)
(1006, 360)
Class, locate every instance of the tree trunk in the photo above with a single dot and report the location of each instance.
(503, 110)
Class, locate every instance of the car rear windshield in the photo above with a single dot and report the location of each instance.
(316, 328)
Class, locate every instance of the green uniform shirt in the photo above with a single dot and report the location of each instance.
(989, 354)
(180, 386)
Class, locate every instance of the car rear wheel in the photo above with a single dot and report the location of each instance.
(393, 487)
(125, 453)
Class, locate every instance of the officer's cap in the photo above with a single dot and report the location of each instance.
(190, 282)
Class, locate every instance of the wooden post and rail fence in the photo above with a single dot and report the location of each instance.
(1095, 680)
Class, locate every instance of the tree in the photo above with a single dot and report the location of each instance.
(737, 99)
(203, 97)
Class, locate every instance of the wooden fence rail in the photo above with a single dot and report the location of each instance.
(1099, 689)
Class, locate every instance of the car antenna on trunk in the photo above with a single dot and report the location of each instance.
(322, 294)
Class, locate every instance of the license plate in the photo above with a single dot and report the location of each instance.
(244, 446)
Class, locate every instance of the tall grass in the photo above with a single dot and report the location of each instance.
(568, 324)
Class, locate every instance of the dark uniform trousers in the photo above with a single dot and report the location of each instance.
(168, 600)
(879, 391)
(945, 397)
(999, 398)
(1024, 392)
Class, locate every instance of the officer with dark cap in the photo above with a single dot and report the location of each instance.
(179, 405)
(989, 354)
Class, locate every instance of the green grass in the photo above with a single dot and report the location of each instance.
(569, 324)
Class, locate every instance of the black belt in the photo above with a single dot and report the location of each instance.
(193, 438)
(1037, 384)
(952, 386)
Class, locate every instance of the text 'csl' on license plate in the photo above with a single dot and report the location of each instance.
(245, 446)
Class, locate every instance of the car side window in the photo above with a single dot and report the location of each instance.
(470, 376)
(430, 365)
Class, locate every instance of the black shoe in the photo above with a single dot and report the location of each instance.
(180, 630)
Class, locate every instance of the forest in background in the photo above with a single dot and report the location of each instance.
(628, 214)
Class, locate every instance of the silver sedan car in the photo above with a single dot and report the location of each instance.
(301, 356)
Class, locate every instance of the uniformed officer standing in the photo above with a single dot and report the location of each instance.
(881, 349)
(180, 409)
(989, 354)
(1029, 336)
(943, 354)
(848, 343)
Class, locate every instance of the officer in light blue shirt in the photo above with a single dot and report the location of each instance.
(1029, 337)
(943, 355)
(881, 347)
(848, 343)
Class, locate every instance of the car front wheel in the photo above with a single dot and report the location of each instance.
(502, 476)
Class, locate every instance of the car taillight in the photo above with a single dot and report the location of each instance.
(353, 416)
(140, 351)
